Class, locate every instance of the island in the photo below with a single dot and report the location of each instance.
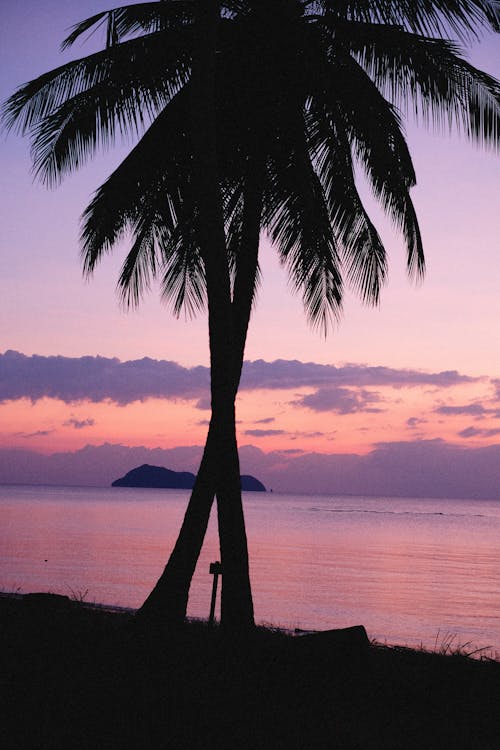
(161, 478)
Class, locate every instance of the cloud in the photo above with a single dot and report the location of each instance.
(97, 379)
(339, 400)
(79, 424)
(313, 434)
(94, 465)
(204, 404)
(414, 422)
(496, 383)
(472, 410)
(475, 432)
(418, 468)
(294, 374)
(38, 433)
(266, 420)
(292, 434)
(263, 433)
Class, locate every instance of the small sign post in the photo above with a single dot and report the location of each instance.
(216, 571)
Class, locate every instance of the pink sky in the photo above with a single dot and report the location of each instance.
(450, 323)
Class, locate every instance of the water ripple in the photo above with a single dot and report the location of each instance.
(397, 512)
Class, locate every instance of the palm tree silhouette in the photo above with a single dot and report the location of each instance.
(261, 113)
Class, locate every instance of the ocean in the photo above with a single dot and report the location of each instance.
(412, 571)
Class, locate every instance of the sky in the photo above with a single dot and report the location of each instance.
(412, 387)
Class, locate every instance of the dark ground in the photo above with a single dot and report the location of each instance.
(75, 677)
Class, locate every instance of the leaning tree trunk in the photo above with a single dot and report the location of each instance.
(219, 468)
(237, 605)
(230, 515)
(167, 602)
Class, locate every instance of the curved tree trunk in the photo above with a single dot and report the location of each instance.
(228, 324)
(237, 606)
(231, 515)
(168, 600)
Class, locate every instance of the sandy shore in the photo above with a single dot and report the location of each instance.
(87, 677)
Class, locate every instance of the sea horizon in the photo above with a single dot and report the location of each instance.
(271, 491)
(413, 571)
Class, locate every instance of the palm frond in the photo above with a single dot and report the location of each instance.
(233, 215)
(150, 195)
(183, 281)
(373, 128)
(165, 246)
(463, 18)
(362, 249)
(169, 254)
(429, 77)
(243, 223)
(63, 141)
(133, 19)
(297, 218)
(93, 22)
(141, 263)
(159, 61)
(154, 171)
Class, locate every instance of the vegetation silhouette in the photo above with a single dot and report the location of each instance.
(160, 477)
(85, 677)
(253, 116)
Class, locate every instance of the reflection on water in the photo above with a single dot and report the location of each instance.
(412, 571)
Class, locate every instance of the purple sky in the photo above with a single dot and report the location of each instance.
(447, 325)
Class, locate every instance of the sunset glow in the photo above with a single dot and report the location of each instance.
(447, 327)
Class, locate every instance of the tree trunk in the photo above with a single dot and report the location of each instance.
(219, 468)
(167, 602)
(237, 606)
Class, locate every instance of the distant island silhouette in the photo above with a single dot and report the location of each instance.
(159, 477)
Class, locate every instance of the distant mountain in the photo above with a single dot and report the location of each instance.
(250, 484)
(156, 476)
(159, 477)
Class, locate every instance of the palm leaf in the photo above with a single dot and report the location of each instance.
(428, 76)
(363, 252)
(243, 231)
(132, 19)
(141, 263)
(63, 141)
(183, 281)
(464, 18)
(373, 128)
(149, 194)
(158, 61)
(156, 166)
(297, 218)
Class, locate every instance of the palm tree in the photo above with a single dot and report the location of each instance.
(301, 92)
(171, 72)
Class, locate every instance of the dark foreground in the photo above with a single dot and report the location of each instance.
(76, 677)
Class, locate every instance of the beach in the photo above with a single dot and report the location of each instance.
(413, 571)
(81, 677)
(331, 575)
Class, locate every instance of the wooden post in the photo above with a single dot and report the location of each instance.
(215, 570)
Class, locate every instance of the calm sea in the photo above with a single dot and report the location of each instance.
(413, 571)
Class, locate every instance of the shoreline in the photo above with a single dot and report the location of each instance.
(272, 491)
(83, 676)
(445, 646)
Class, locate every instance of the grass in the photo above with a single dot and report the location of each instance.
(83, 677)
